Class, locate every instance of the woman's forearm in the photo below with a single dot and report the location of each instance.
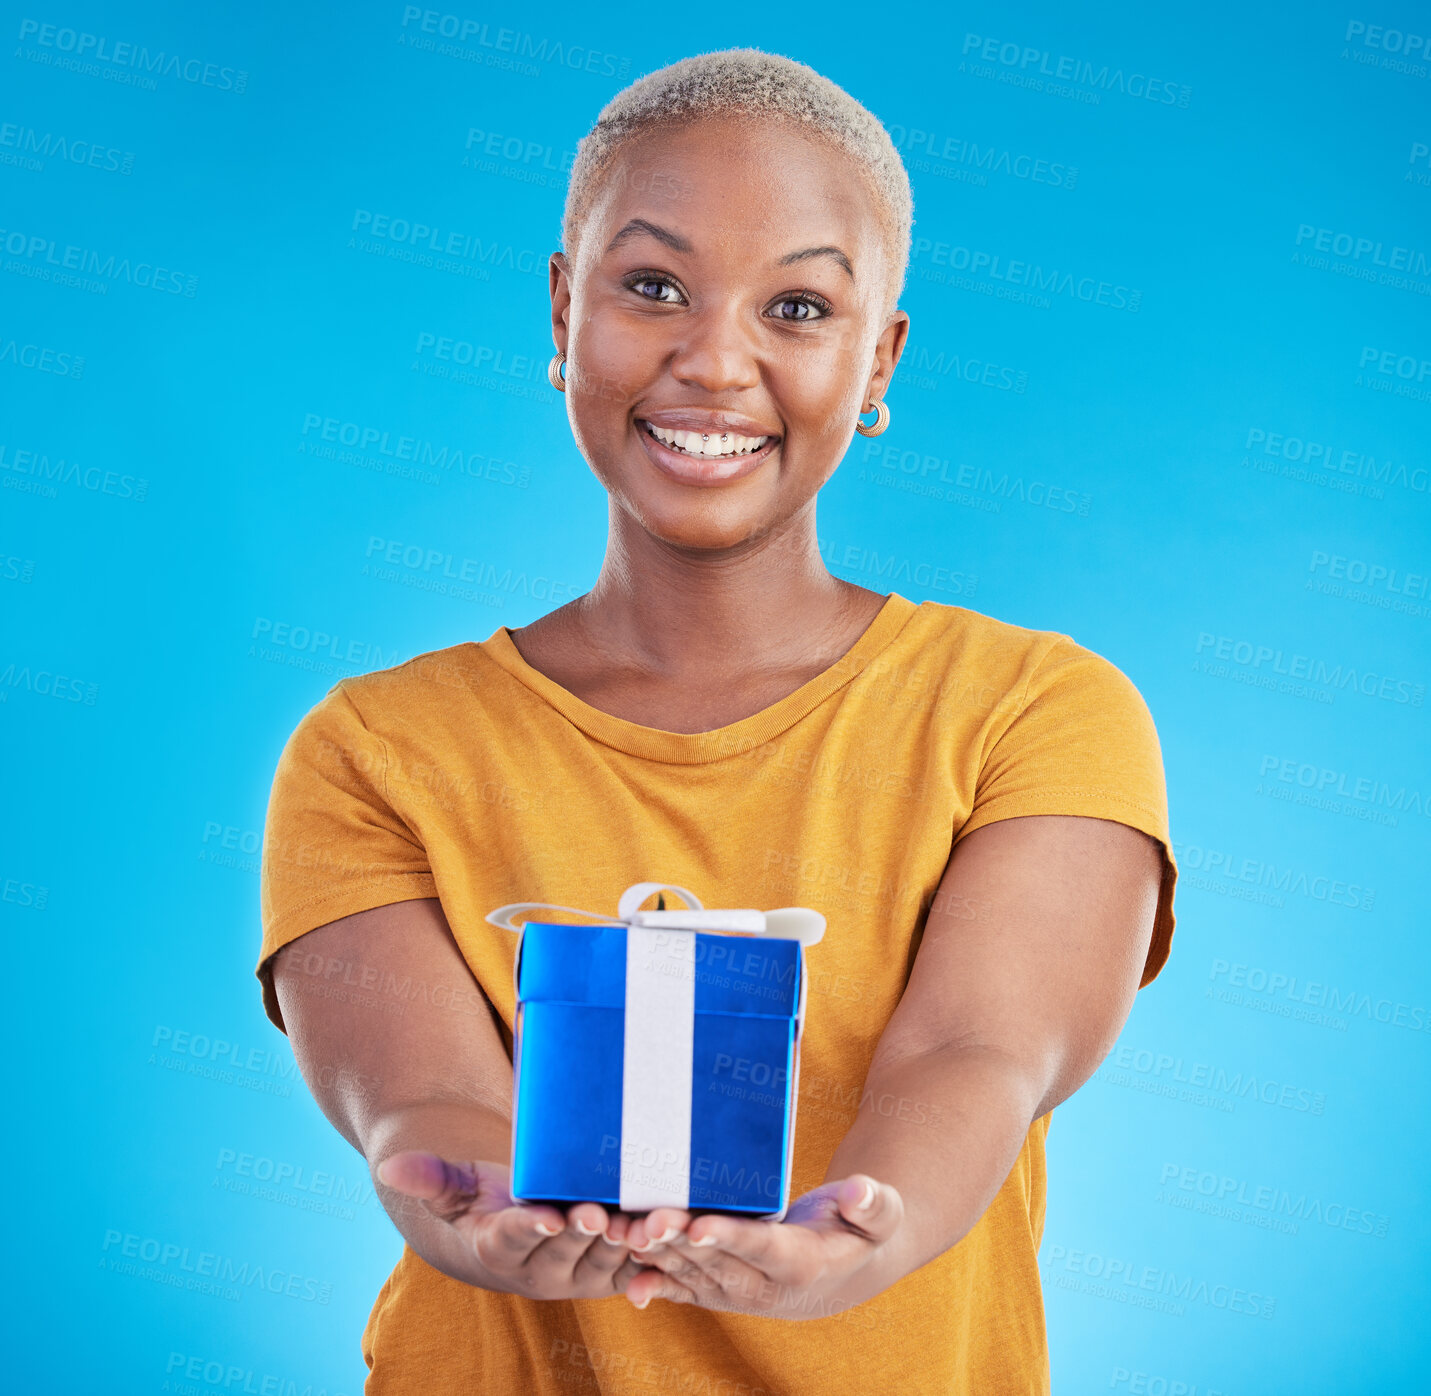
(944, 1128)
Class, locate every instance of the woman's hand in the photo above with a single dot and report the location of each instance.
(534, 1251)
(808, 1266)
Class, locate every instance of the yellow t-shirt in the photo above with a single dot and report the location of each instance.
(467, 775)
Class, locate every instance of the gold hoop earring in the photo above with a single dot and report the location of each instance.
(880, 422)
(554, 374)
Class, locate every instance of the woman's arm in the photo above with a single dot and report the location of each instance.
(403, 1054)
(1031, 956)
(1032, 952)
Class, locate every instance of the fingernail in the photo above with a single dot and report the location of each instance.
(611, 1240)
(585, 1230)
(868, 1199)
(642, 1304)
(666, 1235)
(705, 1241)
(548, 1230)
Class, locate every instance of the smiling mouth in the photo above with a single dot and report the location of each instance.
(718, 445)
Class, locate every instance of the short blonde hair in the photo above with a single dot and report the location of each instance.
(748, 82)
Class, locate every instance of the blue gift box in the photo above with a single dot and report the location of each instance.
(657, 1064)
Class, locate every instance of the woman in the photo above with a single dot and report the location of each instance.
(978, 809)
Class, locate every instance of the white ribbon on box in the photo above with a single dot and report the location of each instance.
(660, 1028)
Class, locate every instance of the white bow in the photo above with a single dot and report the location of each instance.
(784, 923)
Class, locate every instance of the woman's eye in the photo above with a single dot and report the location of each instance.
(655, 290)
(798, 310)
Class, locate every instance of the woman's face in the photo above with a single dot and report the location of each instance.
(724, 326)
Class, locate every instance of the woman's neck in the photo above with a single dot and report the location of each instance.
(680, 626)
(692, 643)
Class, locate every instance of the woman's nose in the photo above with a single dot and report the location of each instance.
(717, 352)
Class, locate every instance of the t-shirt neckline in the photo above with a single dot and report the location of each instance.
(690, 748)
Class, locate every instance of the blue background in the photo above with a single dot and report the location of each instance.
(177, 534)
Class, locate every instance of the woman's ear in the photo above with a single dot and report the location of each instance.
(560, 275)
(888, 347)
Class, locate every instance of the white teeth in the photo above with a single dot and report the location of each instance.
(714, 443)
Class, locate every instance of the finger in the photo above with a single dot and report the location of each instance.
(571, 1243)
(446, 1189)
(671, 1260)
(629, 1269)
(660, 1250)
(763, 1245)
(652, 1284)
(709, 1269)
(712, 1281)
(588, 1218)
(601, 1258)
(562, 1253)
(657, 1227)
(872, 1208)
(582, 1242)
(427, 1176)
(508, 1238)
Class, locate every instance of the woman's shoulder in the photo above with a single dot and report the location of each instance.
(1015, 660)
(434, 682)
(972, 636)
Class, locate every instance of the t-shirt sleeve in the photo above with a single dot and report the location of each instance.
(1082, 741)
(332, 843)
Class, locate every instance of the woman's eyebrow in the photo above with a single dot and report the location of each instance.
(820, 252)
(637, 226)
